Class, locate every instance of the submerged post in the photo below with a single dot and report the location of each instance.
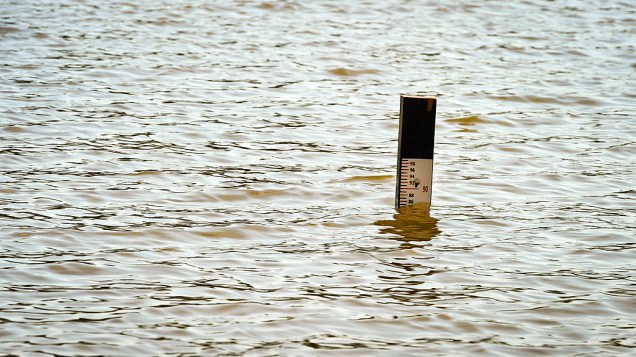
(415, 150)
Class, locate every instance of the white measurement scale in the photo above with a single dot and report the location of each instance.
(415, 151)
(416, 179)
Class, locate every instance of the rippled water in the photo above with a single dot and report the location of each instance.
(192, 177)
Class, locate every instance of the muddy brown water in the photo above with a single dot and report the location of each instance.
(217, 178)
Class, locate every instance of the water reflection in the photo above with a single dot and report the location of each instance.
(411, 223)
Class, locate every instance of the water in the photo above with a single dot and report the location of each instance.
(217, 178)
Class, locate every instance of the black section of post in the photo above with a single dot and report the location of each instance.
(417, 127)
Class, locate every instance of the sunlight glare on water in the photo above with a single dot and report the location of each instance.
(217, 178)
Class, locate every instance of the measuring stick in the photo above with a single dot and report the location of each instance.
(415, 150)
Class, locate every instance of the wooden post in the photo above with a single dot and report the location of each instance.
(416, 140)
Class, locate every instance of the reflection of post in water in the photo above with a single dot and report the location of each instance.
(412, 223)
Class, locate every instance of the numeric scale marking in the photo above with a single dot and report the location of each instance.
(415, 150)
(415, 181)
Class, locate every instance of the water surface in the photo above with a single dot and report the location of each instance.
(217, 178)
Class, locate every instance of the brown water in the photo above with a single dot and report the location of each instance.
(217, 178)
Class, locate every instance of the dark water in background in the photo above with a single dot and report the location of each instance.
(217, 178)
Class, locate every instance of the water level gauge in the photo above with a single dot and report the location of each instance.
(415, 150)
